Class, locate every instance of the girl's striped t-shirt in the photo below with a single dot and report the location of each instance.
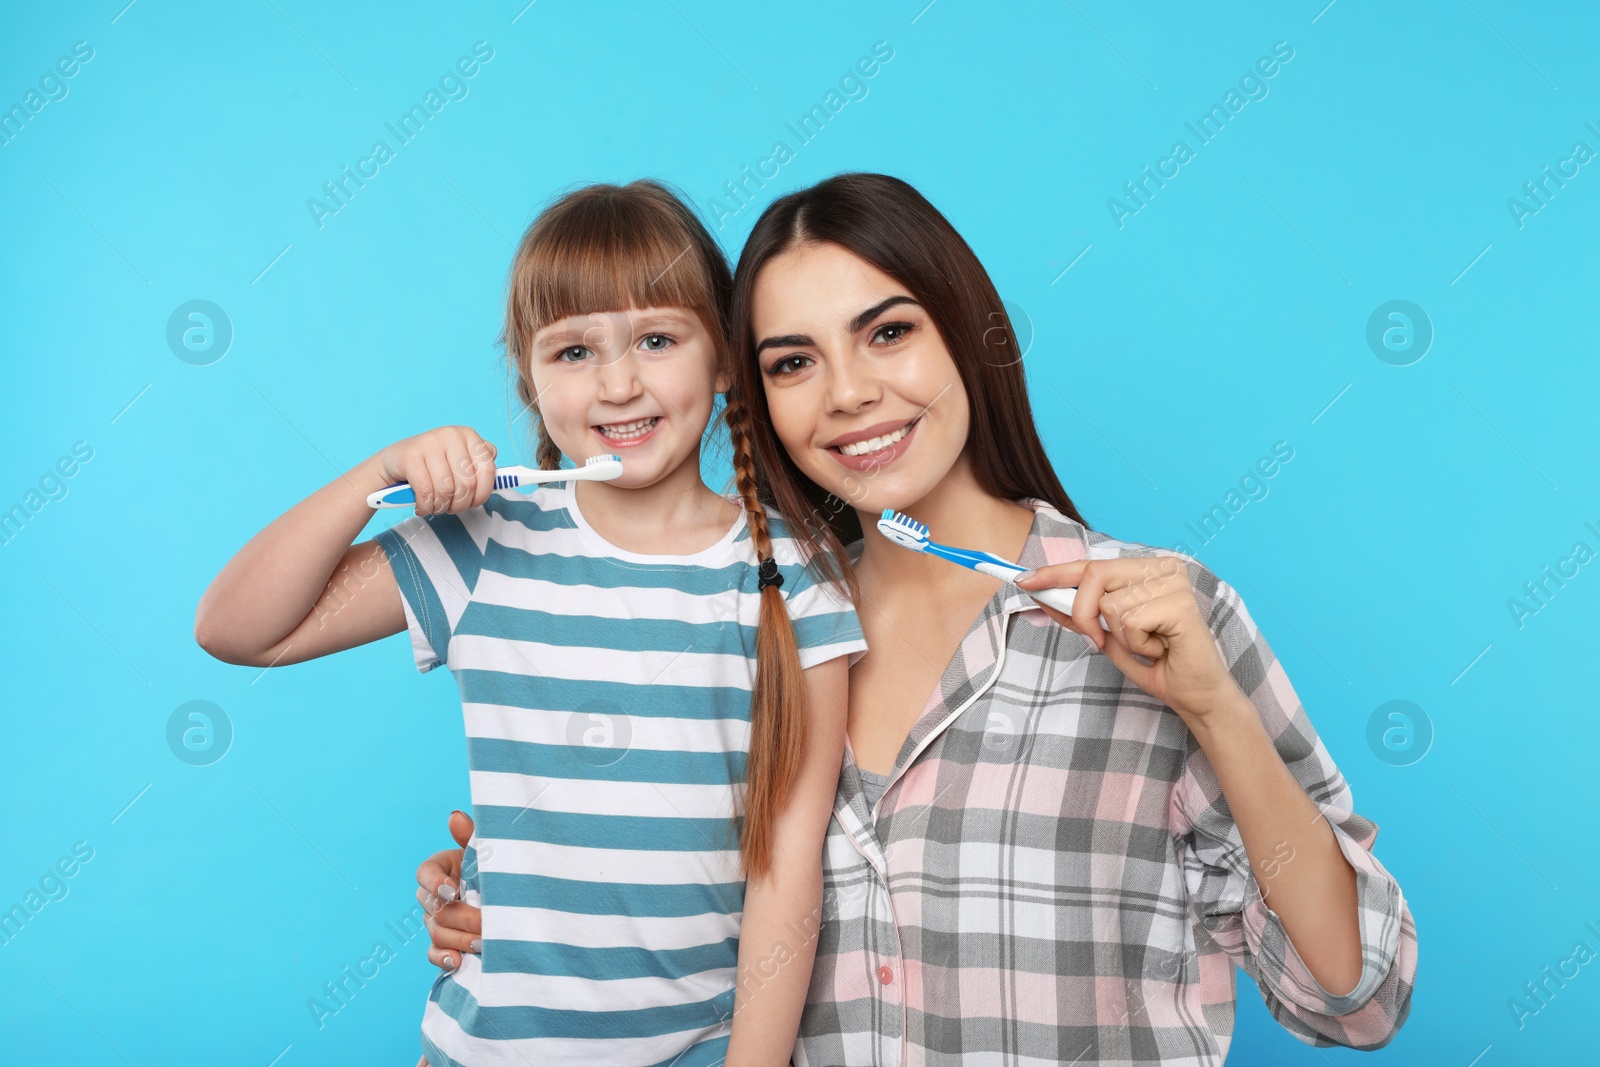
(606, 696)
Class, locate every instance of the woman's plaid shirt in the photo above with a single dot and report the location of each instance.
(1053, 876)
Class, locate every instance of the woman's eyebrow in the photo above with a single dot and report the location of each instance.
(878, 309)
(788, 340)
(800, 340)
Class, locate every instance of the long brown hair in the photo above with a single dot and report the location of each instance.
(608, 248)
(886, 222)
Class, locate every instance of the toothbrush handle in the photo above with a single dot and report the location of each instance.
(1062, 600)
(401, 495)
(398, 495)
(986, 562)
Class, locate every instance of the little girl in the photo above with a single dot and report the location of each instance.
(652, 676)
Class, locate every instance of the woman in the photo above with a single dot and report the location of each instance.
(1052, 842)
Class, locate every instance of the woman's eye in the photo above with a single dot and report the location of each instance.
(572, 355)
(891, 332)
(788, 365)
(655, 342)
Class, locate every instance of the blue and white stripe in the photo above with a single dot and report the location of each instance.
(606, 698)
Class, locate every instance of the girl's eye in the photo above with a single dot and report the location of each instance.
(656, 342)
(575, 354)
(890, 332)
(789, 365)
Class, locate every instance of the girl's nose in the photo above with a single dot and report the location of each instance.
(619, 377)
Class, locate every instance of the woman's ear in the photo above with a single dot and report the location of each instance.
(722, 383)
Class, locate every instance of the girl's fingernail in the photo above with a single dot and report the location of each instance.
(450, 963)
(477, 944)
(447, 891)
(1026, 575)
(458, 811)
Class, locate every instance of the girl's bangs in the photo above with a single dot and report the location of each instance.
(604, 269)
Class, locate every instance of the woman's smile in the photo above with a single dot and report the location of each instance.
(876, 446)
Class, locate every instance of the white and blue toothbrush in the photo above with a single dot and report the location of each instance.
(601, 468)
(907, 532)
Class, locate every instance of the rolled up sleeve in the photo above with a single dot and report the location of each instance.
(1226, 901)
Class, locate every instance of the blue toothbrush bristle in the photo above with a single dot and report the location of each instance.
(606, 458)
(506, 481)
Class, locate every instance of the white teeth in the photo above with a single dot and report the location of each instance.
(876, 444)
(636, 428)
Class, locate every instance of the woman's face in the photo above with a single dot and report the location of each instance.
(863, 393)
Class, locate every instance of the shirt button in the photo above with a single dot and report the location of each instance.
(885, 974)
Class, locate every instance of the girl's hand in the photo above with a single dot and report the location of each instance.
(451, 469)
(454, 926)
(1157, 636)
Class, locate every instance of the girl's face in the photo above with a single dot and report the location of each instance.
(638, 383)
(863, 393)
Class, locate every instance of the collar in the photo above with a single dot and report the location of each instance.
(1052, 538)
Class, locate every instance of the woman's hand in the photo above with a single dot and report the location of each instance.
(454, 926)
(450, 469)
(1150, 608)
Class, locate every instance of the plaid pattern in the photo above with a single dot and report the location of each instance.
(1053, 875)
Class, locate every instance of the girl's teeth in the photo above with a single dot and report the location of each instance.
(876, 444)
(636, 428)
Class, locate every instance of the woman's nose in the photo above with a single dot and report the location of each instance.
(852, 385)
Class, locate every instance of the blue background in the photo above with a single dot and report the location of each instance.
(1229, 313)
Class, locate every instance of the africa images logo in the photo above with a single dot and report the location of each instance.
(452, 85)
